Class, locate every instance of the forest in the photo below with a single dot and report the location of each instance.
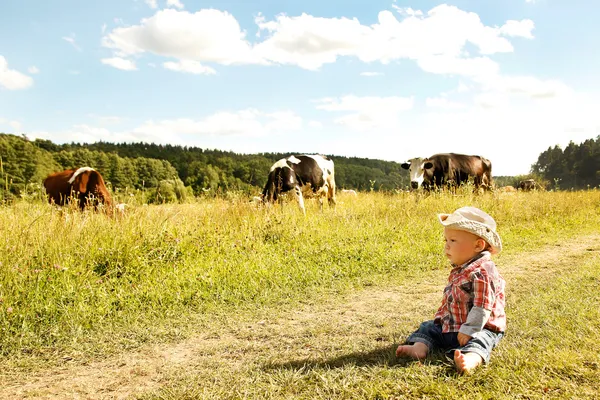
(181, 171)
(25, 163)
(575, 167)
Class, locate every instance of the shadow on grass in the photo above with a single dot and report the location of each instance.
(383, 357)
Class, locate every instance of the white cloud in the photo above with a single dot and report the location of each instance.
(366, 73)
(12, 79)
(444, 103)
(206, 36)
(367, 112)
(282, 121)
(16, 125)
(315, 124)
(33, 70)
(71, 39)
(250, 123)
(526, 85)
(152, 3)
(103, 28)
(407, 11)
(84, 133)
(480, 67)
(189, 66)
(174, 3)
(531, 1)
(521, 28)
(120, 63)
(310, 42)
(462, 88)
(492, 100)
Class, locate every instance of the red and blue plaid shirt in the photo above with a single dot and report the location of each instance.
(477, 283)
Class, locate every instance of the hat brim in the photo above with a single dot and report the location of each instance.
(458, 222)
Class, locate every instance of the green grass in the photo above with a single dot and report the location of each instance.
(550, 352)
(87, 286)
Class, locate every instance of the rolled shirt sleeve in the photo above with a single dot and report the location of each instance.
(476, 320)
(484, 293)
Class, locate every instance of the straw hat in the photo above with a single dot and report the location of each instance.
(475, 221)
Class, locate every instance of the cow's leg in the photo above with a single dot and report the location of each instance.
(476, 184)
(320, 194)
(298, 194)
(82, 201)
(331, 194)
(439, 182)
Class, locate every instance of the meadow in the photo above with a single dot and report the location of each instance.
(80, 288)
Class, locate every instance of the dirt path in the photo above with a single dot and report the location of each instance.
(337, 326)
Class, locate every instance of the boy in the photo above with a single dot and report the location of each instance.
(471, 319)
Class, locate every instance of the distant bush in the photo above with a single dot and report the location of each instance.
(170, 191)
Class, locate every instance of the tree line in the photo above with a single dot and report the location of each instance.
(25, 163)
(575, 167)
(170, 172)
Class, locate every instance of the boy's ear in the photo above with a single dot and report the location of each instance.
(481, 245)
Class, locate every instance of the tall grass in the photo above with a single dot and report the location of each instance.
(82, 282)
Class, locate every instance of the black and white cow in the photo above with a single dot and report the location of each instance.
(449, 169)
(296, 173)
(527, 185)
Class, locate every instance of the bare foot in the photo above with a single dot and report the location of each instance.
(467, 362)
(418, 350)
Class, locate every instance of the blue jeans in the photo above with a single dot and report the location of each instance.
(431, 334)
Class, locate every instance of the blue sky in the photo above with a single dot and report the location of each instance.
(381, 79)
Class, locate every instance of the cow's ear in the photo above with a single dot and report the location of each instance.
(82, 181)
(405, 165)
(428, 165)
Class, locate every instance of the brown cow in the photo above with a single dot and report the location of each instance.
(507, 189)
(449, 169)
(84, 183)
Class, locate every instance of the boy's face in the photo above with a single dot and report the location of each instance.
(461, 246)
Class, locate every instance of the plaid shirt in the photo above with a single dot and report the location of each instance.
(476, 283)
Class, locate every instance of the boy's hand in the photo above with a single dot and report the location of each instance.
(463, 339)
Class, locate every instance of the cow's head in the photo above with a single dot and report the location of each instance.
(420, 171)
(281, 179)
(81, 179)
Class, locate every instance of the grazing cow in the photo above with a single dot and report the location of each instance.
(527, 185)
(350, 192)
(85, 183)
(449, 169)
(297, 173)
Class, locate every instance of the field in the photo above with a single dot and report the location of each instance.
(221, 299)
